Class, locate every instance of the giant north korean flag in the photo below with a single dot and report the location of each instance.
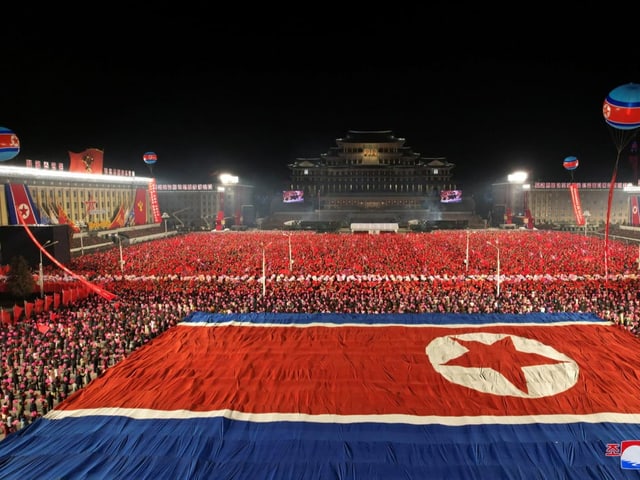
(326, 396)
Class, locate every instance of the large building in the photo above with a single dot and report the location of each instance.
(47, 196)
(564, 205)
(210, 206)
(374, 175)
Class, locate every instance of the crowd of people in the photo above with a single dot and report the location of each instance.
(301, 272)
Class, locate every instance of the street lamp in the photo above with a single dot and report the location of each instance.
(46, 244)
(517, 178)
(165, 216)
(264, 272)
(82, 227)
(497, 267)
(586, 215)
(117, 235)
(466, 261)
(290, 254)
(227, 188)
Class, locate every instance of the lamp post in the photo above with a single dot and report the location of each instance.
(264, 272)
(497, 267)
(466, 261)
(506, 190)
(517, 178)
(121, 260)
(46, 244)
(116, 235)
(165, 216)
(82, 227)
(227, 188)
(586, 215)
(290, 254)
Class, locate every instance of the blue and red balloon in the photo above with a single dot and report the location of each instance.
(570, 163)
(9, 144)
(621, 108)
(150, 158)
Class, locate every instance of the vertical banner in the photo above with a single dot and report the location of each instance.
(575, 201)
(634, 214)
(140, 207)
(20, 205)
(153, 198)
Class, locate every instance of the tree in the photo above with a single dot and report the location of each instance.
(20, 281)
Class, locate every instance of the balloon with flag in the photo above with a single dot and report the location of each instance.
(9, 144)
(570, 163)
(621, 110)
(150, 158)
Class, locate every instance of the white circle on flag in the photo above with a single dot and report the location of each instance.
(24, 210)
(544, 380)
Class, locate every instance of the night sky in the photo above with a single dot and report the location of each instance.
(211, 92)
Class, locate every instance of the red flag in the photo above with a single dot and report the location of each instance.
(48, 300)
(56, 300)
(39, 305)
(5, 316)
(63, 219)
(89, 161)
(28, 308)
(42, 327)
(66, 297)
(17, 312)
(220, 220)
(508, 216)
(140, 207)
(118, 220)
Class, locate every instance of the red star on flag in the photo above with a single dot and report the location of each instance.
(501, 356)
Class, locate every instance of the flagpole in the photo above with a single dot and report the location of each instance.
(264, 274)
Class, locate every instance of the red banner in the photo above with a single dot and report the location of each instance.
(153, 197)
(575, 201)
(634, 212)
(118, 220)
(89, 161)
(140, 207)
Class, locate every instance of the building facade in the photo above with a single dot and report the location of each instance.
(207, 206)
(90, 201)
(376, 175)
(552, 203)
(370, 164)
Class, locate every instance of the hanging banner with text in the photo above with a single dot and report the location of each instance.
(575, 200)
(153, 199)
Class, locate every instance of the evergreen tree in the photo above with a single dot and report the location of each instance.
(20, 281)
